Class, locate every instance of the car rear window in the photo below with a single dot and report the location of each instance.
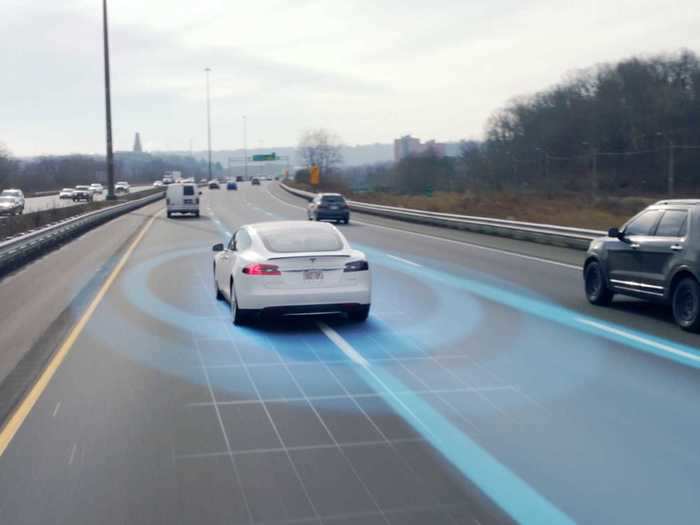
(301, 239)
(188, 190)
(333, 199)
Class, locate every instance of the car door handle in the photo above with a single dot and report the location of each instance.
(677, 247)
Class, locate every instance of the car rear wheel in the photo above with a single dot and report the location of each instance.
(219, 295)
(686, 304)
(238, 316)
(359, 315)
(597, 291)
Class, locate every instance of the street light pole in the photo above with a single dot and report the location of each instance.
(671, 170)
(245, 147)
(108, 105)
(208, 70)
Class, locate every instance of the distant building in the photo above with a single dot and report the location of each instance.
(137, 143)
(408, 146)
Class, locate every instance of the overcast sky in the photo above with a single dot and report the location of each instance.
(370, 70)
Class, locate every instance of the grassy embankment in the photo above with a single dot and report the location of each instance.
(564, 210)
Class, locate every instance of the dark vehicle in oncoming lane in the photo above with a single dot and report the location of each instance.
(654, 256)
(231, 185)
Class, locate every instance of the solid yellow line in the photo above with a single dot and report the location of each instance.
(25, 407)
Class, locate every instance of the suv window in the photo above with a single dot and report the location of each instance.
(673, 224)
(644, 224)
(188, 190)
(333, 199)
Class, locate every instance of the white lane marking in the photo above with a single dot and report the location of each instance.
(404, 260)
(632, 337)
(55, 410)
(341, 343)
(463, 243)
(72, 453)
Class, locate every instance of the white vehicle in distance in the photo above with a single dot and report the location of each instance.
(10, 206)
(157, 183)
(66, 193)
(122, 187)
(182, 198)
(291, 268)
(15, 194)
(97, 188)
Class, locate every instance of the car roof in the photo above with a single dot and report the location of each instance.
(330, 194)
(681, 202)
(276, 225)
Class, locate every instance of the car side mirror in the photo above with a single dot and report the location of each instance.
(615, 233)
(218, 247)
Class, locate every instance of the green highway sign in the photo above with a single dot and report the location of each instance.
(264, 157)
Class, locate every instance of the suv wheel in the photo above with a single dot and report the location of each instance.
(686, 304)
(597, 291)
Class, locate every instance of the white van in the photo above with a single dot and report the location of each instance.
(182, 198)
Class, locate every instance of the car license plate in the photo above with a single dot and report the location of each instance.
(188, 201)
(334, 207)
(313, 275)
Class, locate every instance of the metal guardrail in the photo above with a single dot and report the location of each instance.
(17, 250)
(577, 238)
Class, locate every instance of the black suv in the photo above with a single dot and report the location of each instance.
(655, 256)
(328, 206)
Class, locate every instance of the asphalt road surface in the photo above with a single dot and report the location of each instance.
(483, 389)
(52, 201)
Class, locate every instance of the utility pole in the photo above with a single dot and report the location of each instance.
(208, 70)
(594, 180)
(108, 105)
(671, 182)
(245, 147)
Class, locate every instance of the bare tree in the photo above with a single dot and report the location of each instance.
(320, 147)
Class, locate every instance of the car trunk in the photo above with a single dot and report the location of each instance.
(306, 271)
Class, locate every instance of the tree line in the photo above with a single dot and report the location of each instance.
(631, 127)
(47, 173)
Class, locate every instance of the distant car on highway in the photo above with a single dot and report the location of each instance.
(10, 206)
(239, 178)
(122, 188)
(158, 183)
(291, 268)
(182, 198)
(214, 185)
(203, 180)
(14, 193)
(97, 188)
(231, 185)
(168, 180)
(328, 206)
(82, 193)
(654, 256)
(255, 181)
(66, 193)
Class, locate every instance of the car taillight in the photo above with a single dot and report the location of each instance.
(356, 266)
(261, 269)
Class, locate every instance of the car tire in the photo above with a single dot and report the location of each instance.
(597, 290)
(219, 295)
(196, 214)
(686, 304)
(346, 221)
(360, 314)
(170, 215)
(238, 316)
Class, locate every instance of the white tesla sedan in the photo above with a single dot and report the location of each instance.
(291, 268)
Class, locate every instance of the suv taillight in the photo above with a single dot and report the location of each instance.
(261, 269)
(356, 266)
